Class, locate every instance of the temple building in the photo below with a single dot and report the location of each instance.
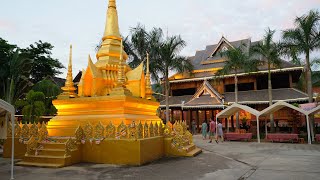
(201, 94)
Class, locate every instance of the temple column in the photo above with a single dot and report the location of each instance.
(290, 80)
(255, 85)
(182, 118)
(190, 119)
(205, 115)
(197, 119)
(172, 120)
(212, 114)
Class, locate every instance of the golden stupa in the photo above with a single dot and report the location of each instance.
(111, 120)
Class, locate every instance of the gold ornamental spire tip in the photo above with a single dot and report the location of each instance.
(112, 3)
(70, 57)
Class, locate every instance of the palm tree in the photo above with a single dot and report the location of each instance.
(33, 106)
(237, 60)
(15, 77)
(270, 53)
(305, 38)
(169, 60)
(139, 43)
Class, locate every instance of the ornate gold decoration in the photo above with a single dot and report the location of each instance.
(189, 137)
(177, 142)
(43, 132)
(17, 130)
(122, 131)
(79, 134)
(167, 130)
(146, 130)
(9, 129)
(25, 131)
(99, 131)
(88, 131)
(110, 131)
(33, 131)
(70, 146)
(184, 126)
(133, 130)
(140, 131)
(161, 129)
(68, 89)
(177, 128)
(31, 145)
(151, 132)
(156, 129)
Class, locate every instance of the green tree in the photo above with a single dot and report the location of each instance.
(139, 42)
(14, 76)
(51, 91)
(270, 53)
(304, 39)
(170, 60)
(237, 60)
(43, 64)
(33, 106)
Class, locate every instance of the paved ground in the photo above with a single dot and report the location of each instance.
(223, 161)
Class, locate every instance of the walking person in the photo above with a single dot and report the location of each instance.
(204, 128)
(220, 132)
(212, 129)
(193, 126)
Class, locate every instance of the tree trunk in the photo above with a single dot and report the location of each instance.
(236, 98)
(167, 87)
(270, 98)
(309, 90)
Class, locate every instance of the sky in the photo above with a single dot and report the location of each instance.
(199, 22)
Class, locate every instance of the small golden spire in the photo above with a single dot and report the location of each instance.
(69, 89)
(121, 70)
(148, 80)
(108, 52)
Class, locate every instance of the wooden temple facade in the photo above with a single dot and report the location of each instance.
(202, 94)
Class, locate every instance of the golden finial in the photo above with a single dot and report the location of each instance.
(69, 89)
(148, 82)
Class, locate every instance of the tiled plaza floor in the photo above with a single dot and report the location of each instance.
(228, 160)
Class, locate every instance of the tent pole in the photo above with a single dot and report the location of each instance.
(216, 128)
(258, 133)
(228, 125)
(308, 129)
(12, 149)
(266, 127)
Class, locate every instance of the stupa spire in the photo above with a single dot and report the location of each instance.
(148, 80)
(110, 46)
(112, 25)
(69, 89)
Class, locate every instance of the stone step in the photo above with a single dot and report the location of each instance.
(194, 152)
(190, 147)
(53, 145)
(46, 159)
(35, 164)
(50, 152)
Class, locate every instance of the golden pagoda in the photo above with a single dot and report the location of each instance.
(112, 119)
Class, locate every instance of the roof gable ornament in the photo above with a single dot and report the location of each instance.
(207, 89)
(224, 48)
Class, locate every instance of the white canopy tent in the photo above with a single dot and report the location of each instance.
(234, 108)
(314, 110)
(281, 104)
(8, 107)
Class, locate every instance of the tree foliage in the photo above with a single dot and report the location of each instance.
(302, 40)
(14, 72)
(51, 91)
(33, 106)
(43, 64)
